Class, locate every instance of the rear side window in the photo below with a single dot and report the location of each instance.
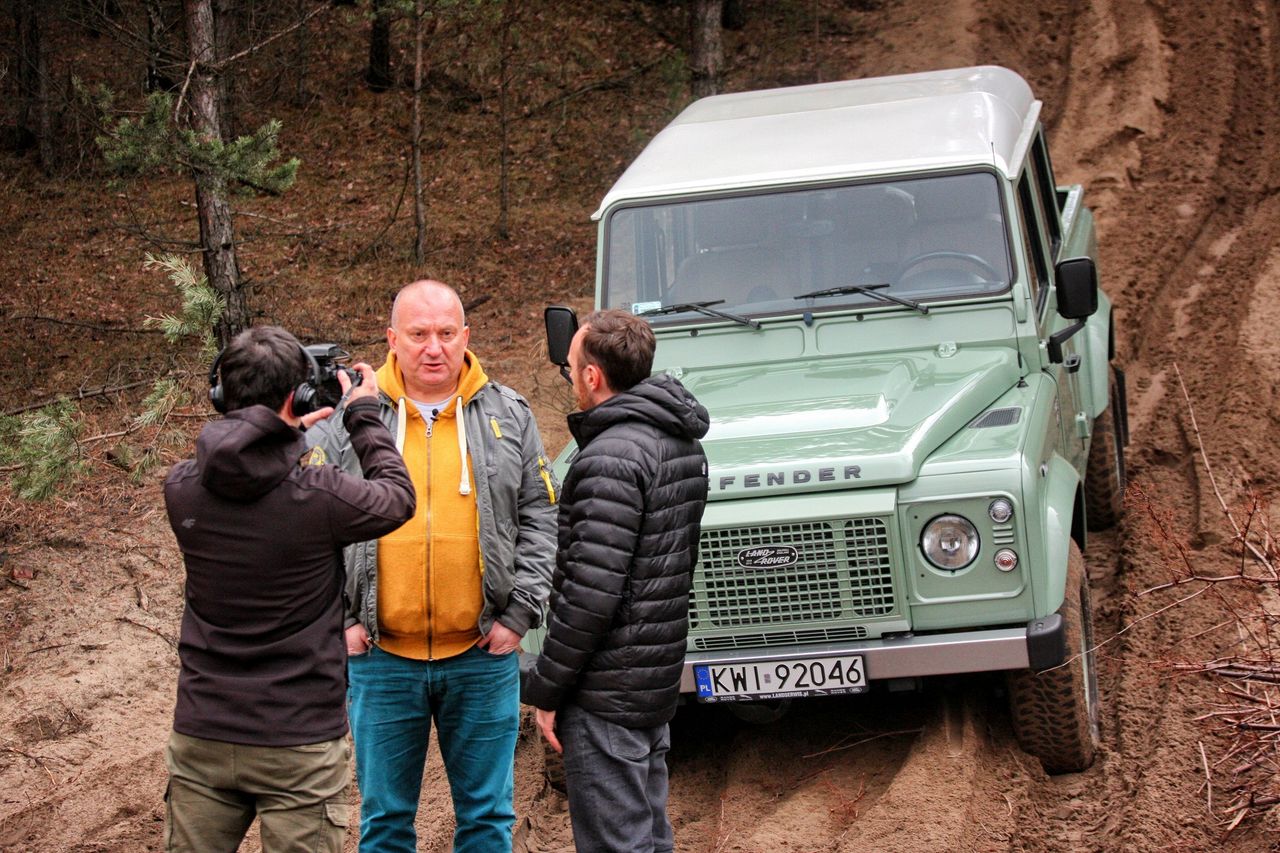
(1042, 171)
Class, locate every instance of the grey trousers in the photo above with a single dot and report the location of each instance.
(216, 789)
(617, 783)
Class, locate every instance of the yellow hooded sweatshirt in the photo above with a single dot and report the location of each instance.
(429, 572)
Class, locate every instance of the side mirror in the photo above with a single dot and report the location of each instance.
(562, 325)
(1077, 284)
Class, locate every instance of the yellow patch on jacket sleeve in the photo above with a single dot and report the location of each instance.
(317, 456)
(546, 479)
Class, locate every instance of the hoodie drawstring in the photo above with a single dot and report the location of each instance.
(400, 419)
(464, 482)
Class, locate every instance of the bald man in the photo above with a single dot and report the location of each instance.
(438, 607)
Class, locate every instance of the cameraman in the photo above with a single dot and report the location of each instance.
(260, 724)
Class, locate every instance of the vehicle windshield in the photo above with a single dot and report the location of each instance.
(917, 241)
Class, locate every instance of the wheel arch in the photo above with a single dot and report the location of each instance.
(1063, 520)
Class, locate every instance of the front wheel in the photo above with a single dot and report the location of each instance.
(1055, 712)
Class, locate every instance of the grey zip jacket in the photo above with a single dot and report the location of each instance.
(515, 499)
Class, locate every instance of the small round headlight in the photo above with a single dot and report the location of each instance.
(1000, 510)
(949, 542)
(1006, 560)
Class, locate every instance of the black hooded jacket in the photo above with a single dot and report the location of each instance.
(262, 655)
(630, 516)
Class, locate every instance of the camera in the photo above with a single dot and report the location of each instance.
(330, 359)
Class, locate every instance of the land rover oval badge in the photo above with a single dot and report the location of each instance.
(768, 557)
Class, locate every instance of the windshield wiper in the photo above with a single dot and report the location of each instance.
(701, 308)
(872, 290)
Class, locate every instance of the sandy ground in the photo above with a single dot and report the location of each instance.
(1165, 111)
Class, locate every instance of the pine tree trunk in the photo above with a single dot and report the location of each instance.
(419, 204)
(44, 111)
(300, 58)
(378, 75)
(734, 17)
(226, 36)
(156, 80)
(26, 61)
(706, 49)
(504, 144)
(217, 234)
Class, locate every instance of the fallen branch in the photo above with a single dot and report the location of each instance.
(1247, 719)
(170, 640)
(1208, 779)
(80, 394)
(122, 330)
(842, 746)
(39, 760)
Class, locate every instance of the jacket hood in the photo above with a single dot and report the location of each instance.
(247, 453)
(659, 400)
(391, 378)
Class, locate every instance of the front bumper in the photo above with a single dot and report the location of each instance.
(1038, 645)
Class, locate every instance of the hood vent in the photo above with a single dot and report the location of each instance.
(997, 418)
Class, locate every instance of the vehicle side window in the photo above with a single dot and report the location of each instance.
(1043, 173)
(1032, 243)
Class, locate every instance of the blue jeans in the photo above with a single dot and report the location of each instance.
(617, 783)
(474, 701)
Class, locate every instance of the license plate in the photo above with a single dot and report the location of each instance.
(780, 679)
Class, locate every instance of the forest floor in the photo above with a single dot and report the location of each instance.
(1164, 111)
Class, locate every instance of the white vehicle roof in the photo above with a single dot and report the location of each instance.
(802, 134)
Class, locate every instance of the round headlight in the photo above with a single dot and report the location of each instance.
(1000, 510)
(950, 542)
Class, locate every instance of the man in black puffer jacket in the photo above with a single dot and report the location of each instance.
(608, 678)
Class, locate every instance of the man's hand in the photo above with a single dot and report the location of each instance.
(368, 386)
(308, 421)
(546, 721)
(500, 640)
(358, 641)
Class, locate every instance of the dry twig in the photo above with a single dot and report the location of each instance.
(1246, 721)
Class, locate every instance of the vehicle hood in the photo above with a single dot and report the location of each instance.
(844, 422)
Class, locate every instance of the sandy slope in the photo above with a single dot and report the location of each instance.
(1166, 114)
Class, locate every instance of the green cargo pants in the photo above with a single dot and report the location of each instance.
(216, 789)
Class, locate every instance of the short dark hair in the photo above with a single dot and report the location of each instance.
(621, 345)
(260, 367)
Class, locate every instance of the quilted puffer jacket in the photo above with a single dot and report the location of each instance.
(629, 520)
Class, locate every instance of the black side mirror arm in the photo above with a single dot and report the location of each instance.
(1057, 339)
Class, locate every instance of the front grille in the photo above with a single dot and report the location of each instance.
(779, 638)
(842, 572)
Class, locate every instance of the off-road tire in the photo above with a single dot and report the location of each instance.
(1104, 475)
(553, 768)
(1055, 712)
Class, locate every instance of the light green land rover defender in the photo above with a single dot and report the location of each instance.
(891, 311)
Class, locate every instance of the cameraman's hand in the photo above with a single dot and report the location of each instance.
(308, 421)
(368, 386)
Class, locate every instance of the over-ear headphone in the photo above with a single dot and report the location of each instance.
(304, 395)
